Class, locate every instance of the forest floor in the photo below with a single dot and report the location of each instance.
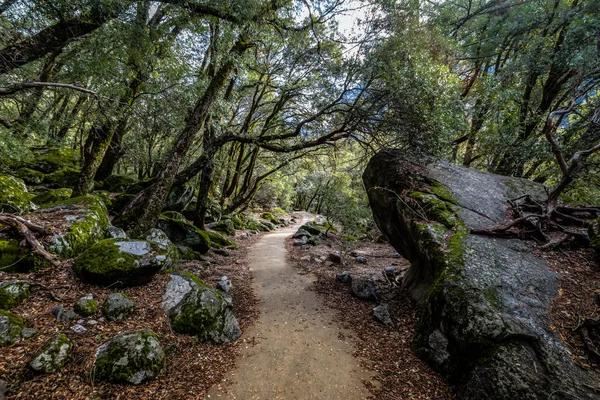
(192, 366)
(398, 372)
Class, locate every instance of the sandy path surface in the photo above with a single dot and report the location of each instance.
(298, 354)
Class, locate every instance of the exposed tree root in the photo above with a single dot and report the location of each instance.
(551, 225)
(26, 230)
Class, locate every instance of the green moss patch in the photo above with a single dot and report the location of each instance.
(14, 197)
(53, 196)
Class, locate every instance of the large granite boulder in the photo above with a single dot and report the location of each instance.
(181, 232)
(197, 309)
(130, 357)
(122, 261)
(485, 324)
(53, 356)
(14, 197)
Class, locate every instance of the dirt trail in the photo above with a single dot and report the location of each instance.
(298, 354)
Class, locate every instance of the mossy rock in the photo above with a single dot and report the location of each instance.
(225, 226)
(312, 228)
(130, 357)
(254, 225)
(52, 196)
(105, 196)
(53, 356)
(14, 197)
(86, 305)
(269, 225)
(183, 233)
(218, 241)
(63, 178)
(197, 309)
(187, 254)
(269, 217)
(137, 187)
(11, 326)
(121, 261)
(179, 198)
(30, 176)
(15, 258)
(12, 293)
(87, 221)
(118, 306)
(238, 222)
(52, 160)
(118, 183)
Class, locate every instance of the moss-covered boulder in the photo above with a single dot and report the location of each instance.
(11, 326)
(53, 196)
(485, 323)
(112, 232)
(83, 222)
(118, 306)
(53, 356)
(118, 183)
(160, 239)
(269, 217)
(63, 178)
(48, 160)
(183, 233)
(12, 293)
(197, 309)
(122, 262)
(130, 357)
(179, 198)
(86, 305)
(17, 258)
(187, 254)
(255, 225)
(238, 221)
(30, 176)
(225, 226)
(14, 197)
(218, 241)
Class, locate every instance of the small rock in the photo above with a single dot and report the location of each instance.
(28, 333)
(87, 305)
(11, 326)
(80, 321)
(364, 289)
(56, 311)
(390, 270)
(65, 315)
(300, 233)
(382, 314)
(305, 258)
(53, 356)
(300, 242)
(224, 284)
(117, 307)
(344, 277)
(92, 322)
(79, 328)
(396, 255)
(112, 232)
(305, 246)
(334, 258)
(361, 259)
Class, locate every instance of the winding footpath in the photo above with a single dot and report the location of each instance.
(298, 354)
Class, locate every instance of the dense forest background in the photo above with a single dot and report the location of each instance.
(266, 103)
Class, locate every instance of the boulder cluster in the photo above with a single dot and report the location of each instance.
(39, 190)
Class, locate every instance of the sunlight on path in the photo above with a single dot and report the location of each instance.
(298, 355)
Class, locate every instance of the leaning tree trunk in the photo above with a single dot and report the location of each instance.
(112, 156)
(93, 152)
(143, 211)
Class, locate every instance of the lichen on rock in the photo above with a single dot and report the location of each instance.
(86, 305)
(118, 306)
(12, 293)
(195, 308)
(53, 356)
(130, 357)
(11, 326)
